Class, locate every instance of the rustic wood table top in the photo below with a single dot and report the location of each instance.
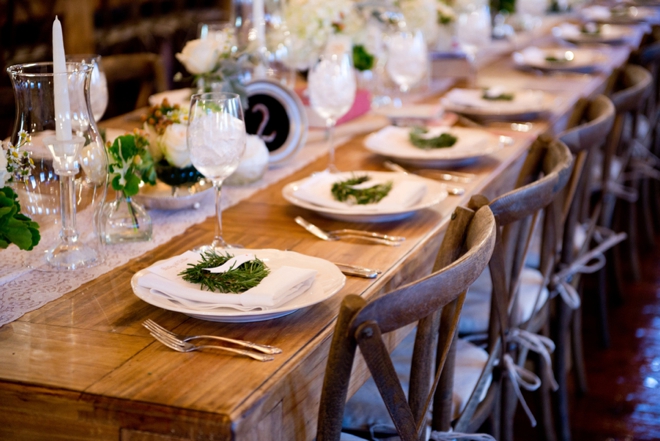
(83, 367)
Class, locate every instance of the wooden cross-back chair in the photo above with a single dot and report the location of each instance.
(619, 182)
(464, 253)
(513, 304)
(585, 137)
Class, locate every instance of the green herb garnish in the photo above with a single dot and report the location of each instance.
(552, 59)
(235, 280)
(362, 59)
(590, 29)
(501, 97)
(343, 191)
(418, 139)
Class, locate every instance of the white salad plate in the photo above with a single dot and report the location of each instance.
(570, 60)
(472, 144)
(329, 280)
(435, 192)
(526, 104)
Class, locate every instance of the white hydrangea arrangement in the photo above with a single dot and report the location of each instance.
(312, 22)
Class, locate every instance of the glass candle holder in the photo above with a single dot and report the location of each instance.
(40, 193)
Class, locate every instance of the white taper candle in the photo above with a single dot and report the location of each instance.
(258, 16)
(61, 91)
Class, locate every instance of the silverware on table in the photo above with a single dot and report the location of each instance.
(454, 191)
(358, 271)
(442, 175)
(182, 346)
(158, 329)
(367, 236)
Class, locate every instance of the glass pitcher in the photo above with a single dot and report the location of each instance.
(39, 193)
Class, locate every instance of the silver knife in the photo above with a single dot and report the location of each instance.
(316, 231)
(358, 271)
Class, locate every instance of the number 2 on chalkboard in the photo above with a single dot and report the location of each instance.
(265, 117)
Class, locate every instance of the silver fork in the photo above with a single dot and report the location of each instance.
(156, 328)
(182, 346)
(383, 239)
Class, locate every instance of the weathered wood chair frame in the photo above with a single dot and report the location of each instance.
(362, 324)
(544, 174)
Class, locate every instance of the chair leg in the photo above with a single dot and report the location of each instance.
(508, 410)
(601, 292)
(645, 216)
(561, 371)
(578, 352)
(632, 255)
(545, 401)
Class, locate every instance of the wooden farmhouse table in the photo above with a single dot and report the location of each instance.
(82, 367)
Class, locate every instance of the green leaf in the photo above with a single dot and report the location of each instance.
(362, 59)
(18, 233)
(116, 184)
(132, 185)
(3, 243)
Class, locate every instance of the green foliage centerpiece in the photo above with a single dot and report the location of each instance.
(15, 227)
(130, 165)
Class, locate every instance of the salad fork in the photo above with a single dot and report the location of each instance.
(182, 346)
(155, 328)
(346, 233)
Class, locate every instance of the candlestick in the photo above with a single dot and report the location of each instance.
(61, 91)
(258, 15)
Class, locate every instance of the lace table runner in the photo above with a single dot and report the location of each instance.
(27, 282)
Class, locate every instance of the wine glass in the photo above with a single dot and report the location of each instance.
(332, 85)
(98, 87)
(216, 139)
(406, 58)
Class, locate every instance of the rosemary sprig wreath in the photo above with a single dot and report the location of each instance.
(343, 191)
(235, 280)
(418, 139)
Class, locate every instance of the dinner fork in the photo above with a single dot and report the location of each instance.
(182, 346)
(155, 328)
(367, 236)
(455, 191)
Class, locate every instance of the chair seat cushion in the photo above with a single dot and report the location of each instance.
(366, 408)
(476, 310)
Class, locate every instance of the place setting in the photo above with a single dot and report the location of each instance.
(591, 33)
(499, 103)
(620, 14)
(563, 60)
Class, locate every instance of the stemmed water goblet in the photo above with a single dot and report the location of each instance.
(332, 85)
(216, 139)
(98, 86)
(407, 59)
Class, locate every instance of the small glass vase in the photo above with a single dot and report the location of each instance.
(124, 220)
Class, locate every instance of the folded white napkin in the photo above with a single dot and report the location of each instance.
(523, 100)
(404, 193)
(569, 30)
(532, 55)
(280, 286)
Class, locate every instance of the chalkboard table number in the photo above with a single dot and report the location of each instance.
(277, 116)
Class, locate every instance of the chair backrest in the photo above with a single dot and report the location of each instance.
(464, 253)
(132, 78)
(545, 172)
(632, 87)
(584, 140)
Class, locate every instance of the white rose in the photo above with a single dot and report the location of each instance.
(154, 147)
(254, 162)
(174, 147)
(4, 175)
(200, 56)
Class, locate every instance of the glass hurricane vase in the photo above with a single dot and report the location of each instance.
(39, 194)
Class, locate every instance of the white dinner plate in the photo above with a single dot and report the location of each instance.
(526, 105)
(435, 193)
(609, 34)
(577, 60)
(328, 282)
(472, 144)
